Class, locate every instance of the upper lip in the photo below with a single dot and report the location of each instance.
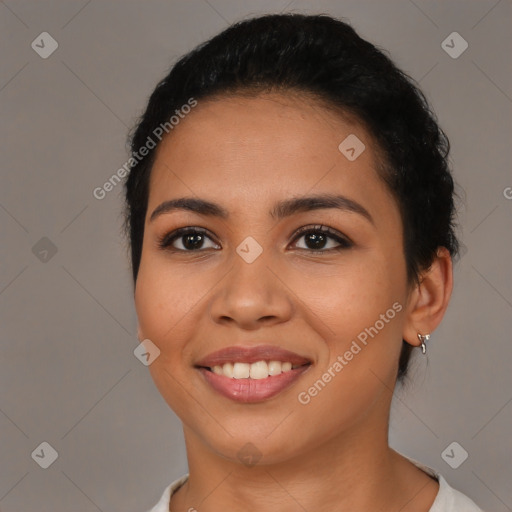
(251, 355)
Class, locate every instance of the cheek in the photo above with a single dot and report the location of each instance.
(350, 296)
(162, 301)
(357, 310)
(363, 313)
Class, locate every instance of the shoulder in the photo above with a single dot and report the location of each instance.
(163, 503)
(450, 500)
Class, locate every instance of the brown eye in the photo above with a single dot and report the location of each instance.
(191, 240)
(317, 237)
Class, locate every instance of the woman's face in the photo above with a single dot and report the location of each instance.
(249, 278)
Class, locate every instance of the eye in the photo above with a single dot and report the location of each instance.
(317, 236)
(191, 239)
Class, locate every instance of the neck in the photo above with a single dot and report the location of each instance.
(354, 470)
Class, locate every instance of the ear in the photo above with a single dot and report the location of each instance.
(429, 300)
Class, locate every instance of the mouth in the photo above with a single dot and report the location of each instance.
(251, 375)
(255, 371)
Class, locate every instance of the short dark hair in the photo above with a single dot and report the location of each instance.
(326, 59)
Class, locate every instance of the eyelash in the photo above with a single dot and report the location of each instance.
(165, 241)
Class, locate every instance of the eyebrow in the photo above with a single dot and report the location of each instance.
(280, 210)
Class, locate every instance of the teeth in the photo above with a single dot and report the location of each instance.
(258, 370)
(274, 367)
(228, 370)
(241, 370)
(218, 370)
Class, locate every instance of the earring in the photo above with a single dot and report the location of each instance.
(423, 338)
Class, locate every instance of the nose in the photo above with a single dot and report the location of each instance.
(252, 295)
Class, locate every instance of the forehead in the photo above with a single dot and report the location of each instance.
(241, 146)
(268, 121)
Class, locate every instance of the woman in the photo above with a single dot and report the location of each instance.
(290, 216)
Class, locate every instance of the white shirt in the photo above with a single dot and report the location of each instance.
(448, 499)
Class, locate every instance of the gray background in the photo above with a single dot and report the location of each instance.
(68, 374)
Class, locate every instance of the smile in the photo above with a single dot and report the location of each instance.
(247, 389)
(252, 374)
(258, 370)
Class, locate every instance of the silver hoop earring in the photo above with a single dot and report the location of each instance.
(423, 338)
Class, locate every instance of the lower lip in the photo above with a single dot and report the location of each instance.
(252, 390)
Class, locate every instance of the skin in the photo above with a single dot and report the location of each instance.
(246, 153)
